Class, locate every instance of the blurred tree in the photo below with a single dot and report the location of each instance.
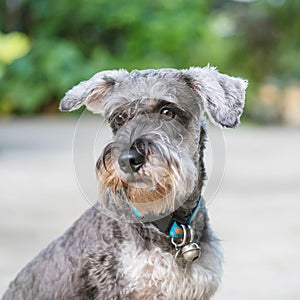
(71, 40)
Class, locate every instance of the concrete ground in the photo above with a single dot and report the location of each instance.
(255, 213)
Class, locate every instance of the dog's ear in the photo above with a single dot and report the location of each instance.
(221, 96)
(92, 92)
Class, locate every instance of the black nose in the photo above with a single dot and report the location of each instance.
(132, 160)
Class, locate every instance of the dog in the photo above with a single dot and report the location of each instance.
(148, 236)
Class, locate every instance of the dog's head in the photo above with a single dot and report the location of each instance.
(156, 118)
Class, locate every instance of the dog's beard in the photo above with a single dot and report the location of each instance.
(161, 185)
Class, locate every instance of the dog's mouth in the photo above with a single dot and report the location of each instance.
(153, 183)
(153, 176)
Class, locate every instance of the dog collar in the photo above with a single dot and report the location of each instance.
(170, 224)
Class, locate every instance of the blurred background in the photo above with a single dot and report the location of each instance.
(47, 46)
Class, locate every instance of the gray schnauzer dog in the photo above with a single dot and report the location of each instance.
(148, 236)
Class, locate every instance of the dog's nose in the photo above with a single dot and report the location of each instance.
(131, 161)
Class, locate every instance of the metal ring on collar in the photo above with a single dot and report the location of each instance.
(191, 233)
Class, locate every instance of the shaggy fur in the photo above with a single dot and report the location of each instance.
(109, 253)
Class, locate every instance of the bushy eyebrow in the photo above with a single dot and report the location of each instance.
(140, 107)
(183, 115)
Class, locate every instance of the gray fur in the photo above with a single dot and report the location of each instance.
(222, 96)
(109, 253)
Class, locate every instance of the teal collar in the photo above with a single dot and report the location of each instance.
(170, 224)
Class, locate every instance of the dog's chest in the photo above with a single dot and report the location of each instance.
(154, 274)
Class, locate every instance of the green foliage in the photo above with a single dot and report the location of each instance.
(72, 40)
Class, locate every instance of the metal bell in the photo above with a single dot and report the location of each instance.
(191, 252)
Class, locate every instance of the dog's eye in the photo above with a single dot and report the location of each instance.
(168, 113)
(120, 119)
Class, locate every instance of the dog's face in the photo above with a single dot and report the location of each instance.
(156, 118)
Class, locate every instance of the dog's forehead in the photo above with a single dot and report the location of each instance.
(148, 87)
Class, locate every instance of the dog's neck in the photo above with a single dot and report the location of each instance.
(171, 224)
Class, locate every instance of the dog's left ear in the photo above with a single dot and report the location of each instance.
(92, 92)
(221, 96)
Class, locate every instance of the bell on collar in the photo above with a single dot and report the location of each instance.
(191, 252)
